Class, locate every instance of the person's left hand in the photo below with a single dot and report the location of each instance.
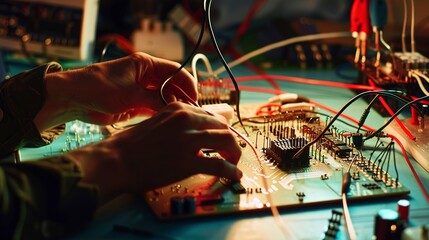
(112, 91)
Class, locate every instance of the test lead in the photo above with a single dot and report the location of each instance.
(360, 27)
(378, 14)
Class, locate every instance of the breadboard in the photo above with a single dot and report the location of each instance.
(418, 148)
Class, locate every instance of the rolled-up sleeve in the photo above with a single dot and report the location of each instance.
(21, 98)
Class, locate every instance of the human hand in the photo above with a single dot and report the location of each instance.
(161, 150)
(112, 91)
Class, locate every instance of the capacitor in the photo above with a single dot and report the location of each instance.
(190, 204)
(386, 225)
(177, 205)
(404, 210)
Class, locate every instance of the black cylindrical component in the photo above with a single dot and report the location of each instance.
(177, 205)
(190, 204)
(386, 225)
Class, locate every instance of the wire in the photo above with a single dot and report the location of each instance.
(410, 165)
(309, 81)
(235, 54)
(419, 81)
(349, 223)
(283, 43)
(104, 51)
(381, 92)
(404, 153)
(200, 56)
(395, 115)
(390, 111)
(272, 91)
(256, 6)
(404, 26)
(196, 47)
(366, 112)
(120, 40)
(207, 5)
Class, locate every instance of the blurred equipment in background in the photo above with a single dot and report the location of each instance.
(55, 29)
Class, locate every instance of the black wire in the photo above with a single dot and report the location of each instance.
(196, 47)
(394, 116)
(224, 63)
(394, 163)
(381, 92)
(251, 119)
(104, 51)
(366, 112)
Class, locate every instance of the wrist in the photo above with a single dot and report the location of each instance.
(99, 166)
(56, 109)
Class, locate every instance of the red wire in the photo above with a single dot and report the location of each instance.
(271, 91)
(122, 42)
(308, 81)
(256, 6)
(268, 109)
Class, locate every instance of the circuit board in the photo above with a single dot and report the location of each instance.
(272, 176)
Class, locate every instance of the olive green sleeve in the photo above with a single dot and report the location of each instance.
(44, 199)
(21, 98)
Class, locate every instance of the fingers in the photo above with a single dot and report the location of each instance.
(221, 141)
(217, 167)
(152, 72)
(190, 117)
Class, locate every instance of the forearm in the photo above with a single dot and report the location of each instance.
(100, 166)
(57, 108)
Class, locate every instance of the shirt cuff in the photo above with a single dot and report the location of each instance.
(21, 98)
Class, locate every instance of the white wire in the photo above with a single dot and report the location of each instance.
(404, 27)
(349, 223)
(413, 43)
(305, 38)
(417, 76)
(385, 44)
(200, 56)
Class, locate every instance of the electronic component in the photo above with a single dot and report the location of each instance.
(404, 210)
(387, 225)
(416, 233)
(64, 29)
(333, 226)
(282, 151)
(319, 181)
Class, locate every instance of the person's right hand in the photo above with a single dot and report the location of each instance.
(161, 150)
